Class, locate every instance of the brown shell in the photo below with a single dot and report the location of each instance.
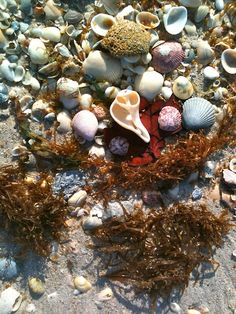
(167, 56)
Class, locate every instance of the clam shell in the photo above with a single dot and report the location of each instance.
(191, 3)
(201, 13)
(10, 301)
(175, 20)
(228, 60)
(182, 88)
(205, 54)
(101, 23)
(111, 6)
(102, 67)
(82, 284)
(51, 33)
(167, 56)
(147, 20)
(149, 84)
(198, 113)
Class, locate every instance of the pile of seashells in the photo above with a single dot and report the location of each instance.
(124, 52)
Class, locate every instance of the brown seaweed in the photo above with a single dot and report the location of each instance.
(29, 210)
(157, 251)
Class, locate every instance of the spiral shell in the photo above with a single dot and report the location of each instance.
(198, 113)
(167, 56)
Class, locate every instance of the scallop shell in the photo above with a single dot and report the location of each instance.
(191, 3)
(167, 56)
(149, 84)
(182, 88)
(175, 20)
(198, 113)
(228, 60)
(101, 23)
(201, 13)
(147, 20)
(102, 67)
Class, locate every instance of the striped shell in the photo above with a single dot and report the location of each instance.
(198, 113)
(102, 67)
(167, 56)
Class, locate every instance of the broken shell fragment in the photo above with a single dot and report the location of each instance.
(38, 51)
(125, 111)
(149, 84)
(82, 284)
(101, 23)
(175, 20)
(182, 88)
(111, 6)
(229, 177)
(36, 286)
(147, 20)
(228, 60)
(51, 33)
(167, 56)
(10, 301)
(198, 113)
(102, 67)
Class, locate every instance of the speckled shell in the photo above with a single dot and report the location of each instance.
(167, 56)
(102, 67)
(198, 113)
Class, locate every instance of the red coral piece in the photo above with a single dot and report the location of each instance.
(145, 159)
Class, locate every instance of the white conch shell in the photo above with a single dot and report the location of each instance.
(175, 20)
(125, 111)
(228, 60)
(102, 67)
(101, 23)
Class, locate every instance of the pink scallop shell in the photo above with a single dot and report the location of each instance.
(169, 119)
(167, 56)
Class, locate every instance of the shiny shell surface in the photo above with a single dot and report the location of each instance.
(198, 113)
(175, 20)
(147, 20)
(101, 23)
(167, 56)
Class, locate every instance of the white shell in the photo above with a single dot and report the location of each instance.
(111, 92)
(125, 111)
(166, 92)
(175, 20)
(191, 3)
(51, 33)
(111, 6)
(232, 164)
(105, 295)
(211, 73)
(78, 198)
(219, 4)
(19, 73)
(201, 13)
(82, 284)
(229, 177)
(147, 20)
(10, 301)
(102, 67)
(85, 124)
(97, 151)
(228, 60)
(101, 23)
(69, 92)
(7, 71)
(182, 88)
(190, 28)
(175, 308)
(205, 54)
(149, 84)
(85, 101)
(198, 113)
(38, 51)
(64, 120)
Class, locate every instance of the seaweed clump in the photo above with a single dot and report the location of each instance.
(157, 251)
(29, 210)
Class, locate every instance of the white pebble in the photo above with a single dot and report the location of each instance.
(175, 308)
(77, 199)
(210, 73)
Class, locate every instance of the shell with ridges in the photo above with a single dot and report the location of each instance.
(198, 113)
(201, 13)
(101, 23)
(191, 3)
(175, 20)
(102, 67)
(228, 60)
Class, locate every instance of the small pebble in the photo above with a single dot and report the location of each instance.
(196, 194)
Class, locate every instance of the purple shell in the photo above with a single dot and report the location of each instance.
(119, 146)
(169, 119)
(85, 124)
(167, 56)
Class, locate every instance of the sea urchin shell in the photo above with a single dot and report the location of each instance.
(167, 56)
(169, 119)
(119, 146)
